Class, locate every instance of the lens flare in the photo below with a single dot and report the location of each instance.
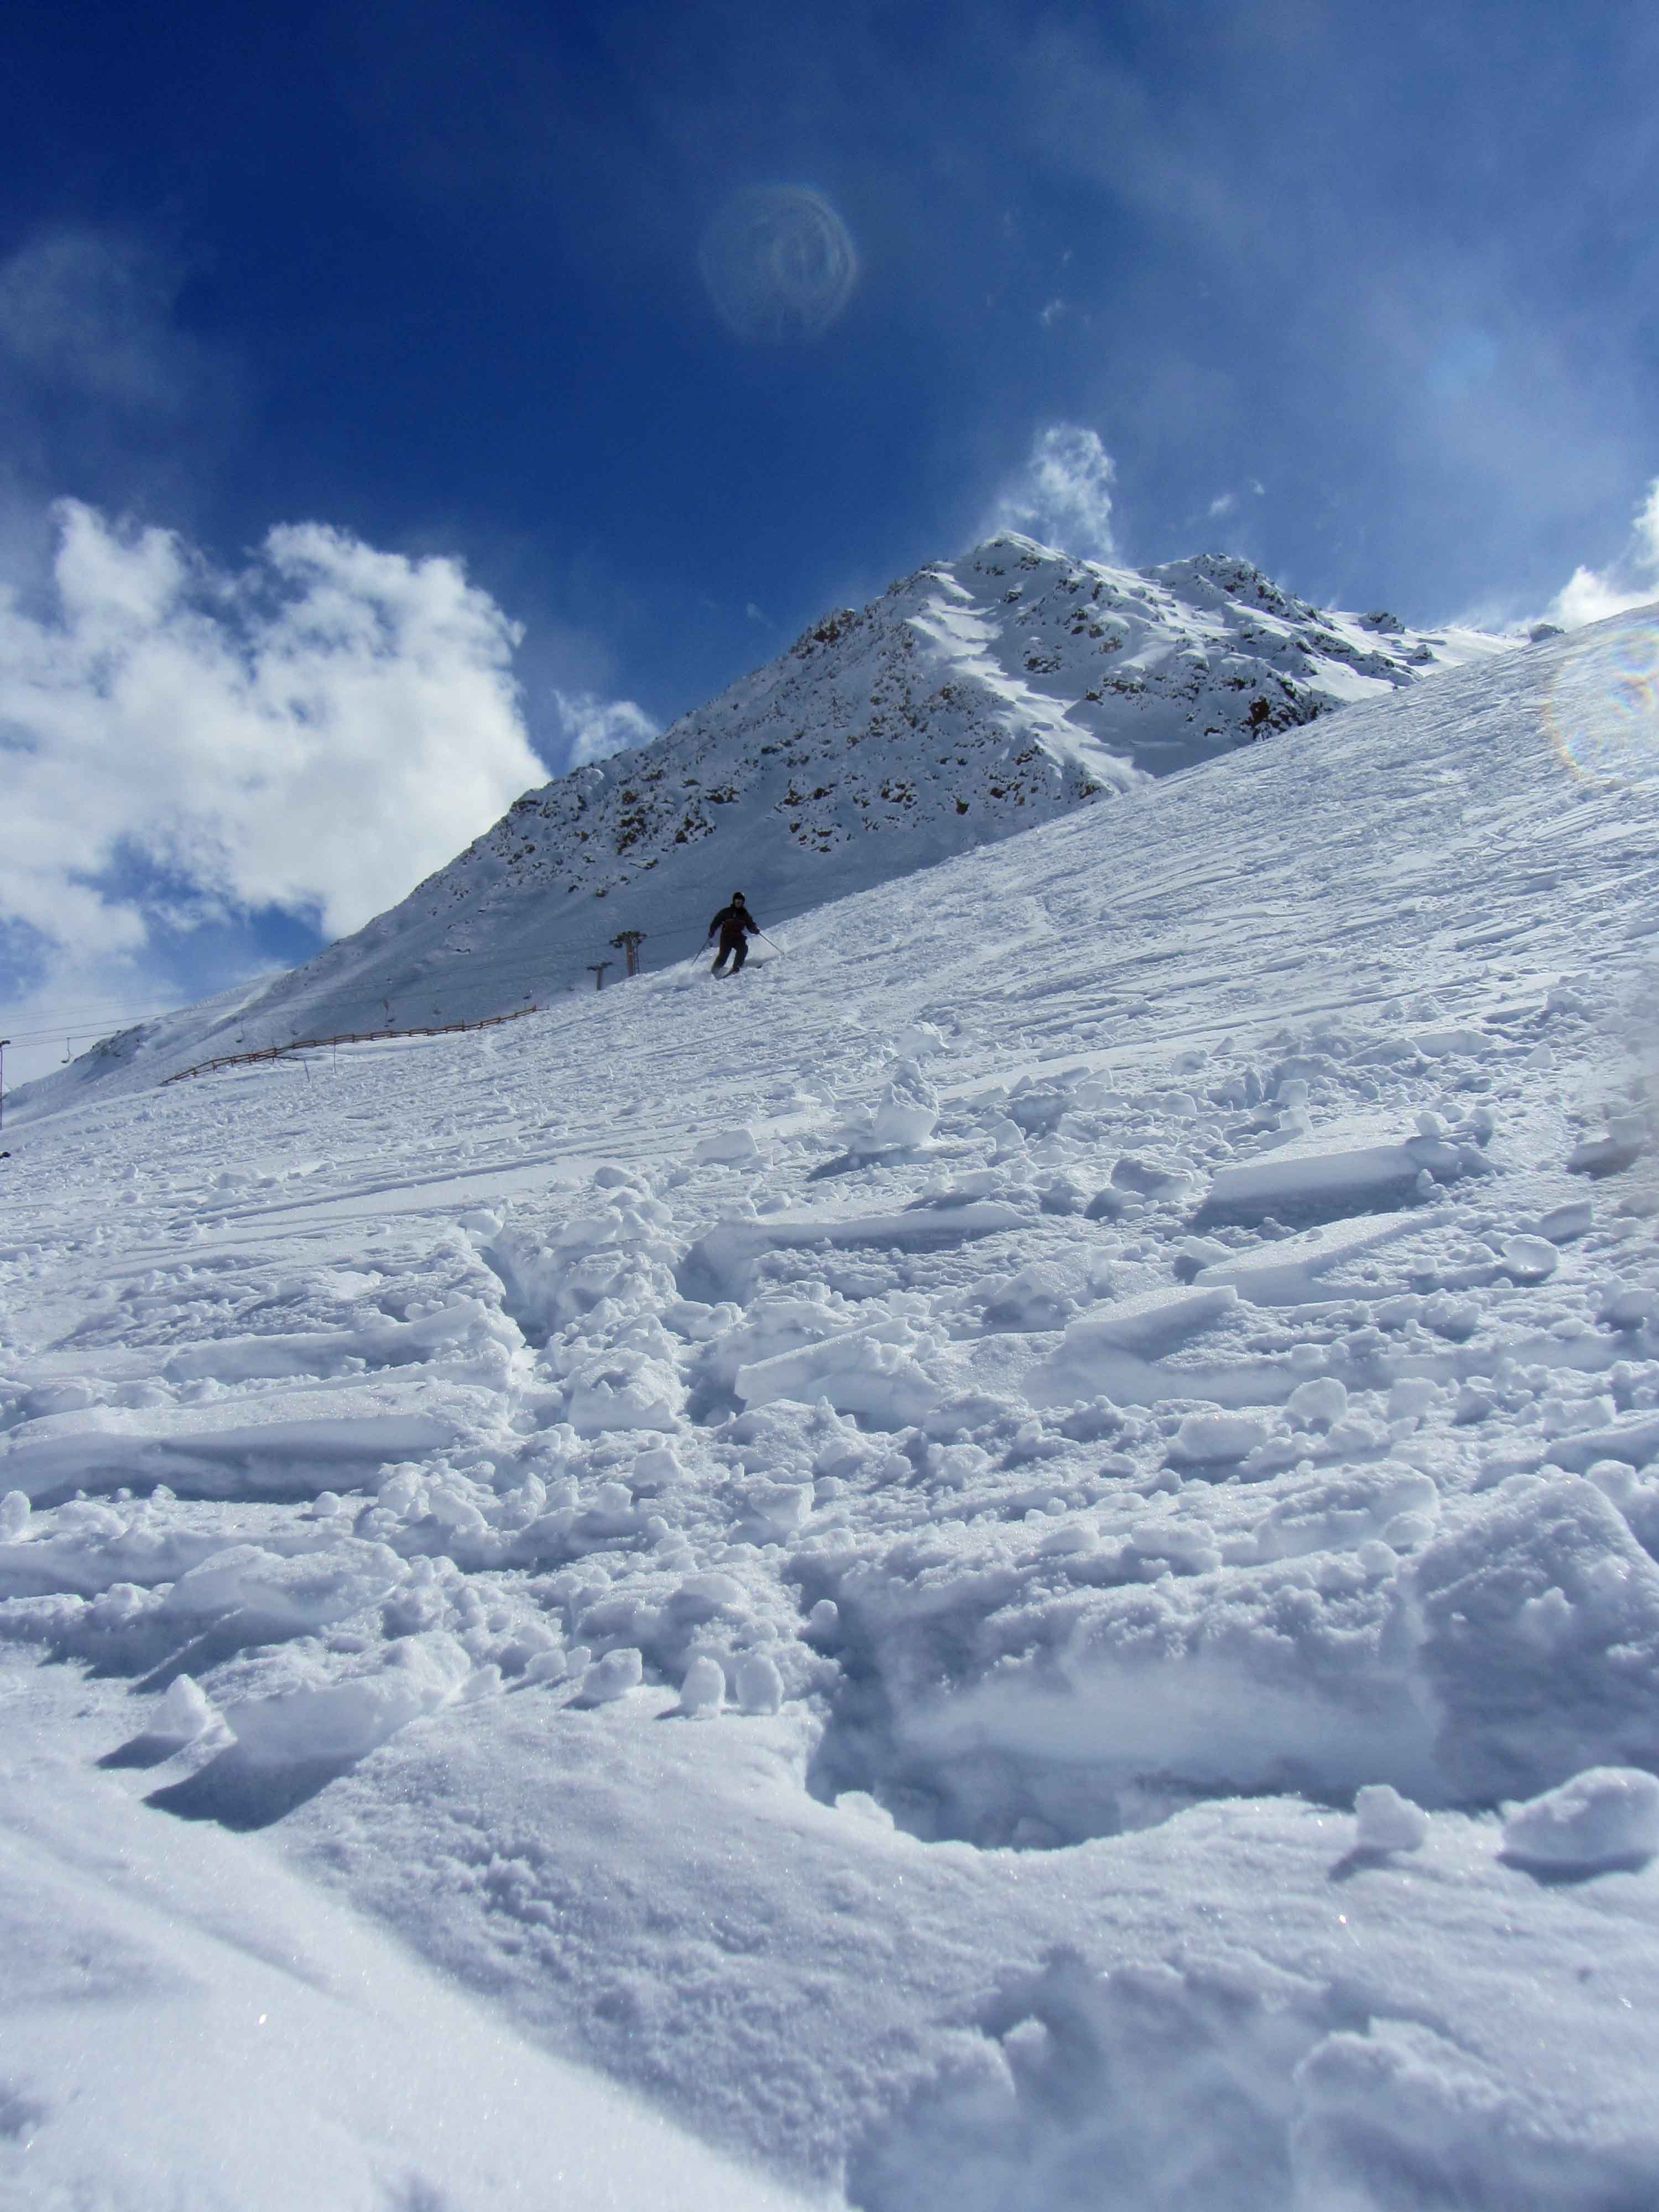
(779, 264)
(1603, 710)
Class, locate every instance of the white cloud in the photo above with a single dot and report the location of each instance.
(1224, 503)
(313, 731)
(597, 727)
(1063, 494)
(1630, 582)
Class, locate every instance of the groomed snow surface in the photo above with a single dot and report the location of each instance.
(1010, 1564)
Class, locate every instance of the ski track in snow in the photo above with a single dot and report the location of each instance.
(839, 1550)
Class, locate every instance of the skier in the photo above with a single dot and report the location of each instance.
(735, 926)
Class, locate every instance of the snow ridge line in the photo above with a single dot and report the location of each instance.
(346, 1036)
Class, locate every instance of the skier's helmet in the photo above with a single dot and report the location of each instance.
(737, 898)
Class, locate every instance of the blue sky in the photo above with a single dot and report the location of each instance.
(1369, 295)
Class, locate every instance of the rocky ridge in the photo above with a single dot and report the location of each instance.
(976, 698)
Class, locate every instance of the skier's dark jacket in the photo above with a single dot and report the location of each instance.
(734, 923)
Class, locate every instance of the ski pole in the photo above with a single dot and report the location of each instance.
(772, 941)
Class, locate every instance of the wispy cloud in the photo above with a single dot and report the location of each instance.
(101, 388)
(184, 750)
(1632, 580)
(1063, 494)
(597, 727)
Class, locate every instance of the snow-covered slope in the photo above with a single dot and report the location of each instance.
(977, 698)
(874, 1550)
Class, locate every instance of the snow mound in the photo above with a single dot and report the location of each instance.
(1606, 1816)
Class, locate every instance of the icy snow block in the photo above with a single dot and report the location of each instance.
(1107, 1354)
(303, 1592)
(728, 1147)
(1623, 1144)
(860, 1370)
(1211, 1439)
(614, 1676)
(1319, 1402)
(1154, 1323)
(1151, 1179)
(1607, 1816)
(1344, 1508)
(722, 1263)
(1564, 1222)
(339, 1720)
(703, 1691)
(1321, 1172)
(781, 1509)
(1626, 1305)
(1635, 1442)
(1539, 1640)
(185, 1712)
(1289, 1271)
(907, 1116)
(1529, 1259)
(624, 1389)
(1441, 1044)
(15, 1510)
(1386, 1821)
(760, 1685)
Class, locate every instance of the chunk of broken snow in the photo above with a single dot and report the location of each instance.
(760, 1685)
(871, 1370)
(14, 1516)
(1440, 1044)
(703, 1691)
(303, 1592)
(344, 1719)
(614, 1676)
(1154, 1323)
(1626, 1305)
(1566, 1222)
(1147, 1178)
(1110, 1352)
(906, 1114)
(185, 1712)
(1529, 1259)
(780, 1508)
(1207, 1439)
(728, 1147)
(1322, 1399)
(624, 1389)
(1606, 1816)
(1322, 1168)
(1386, 1821)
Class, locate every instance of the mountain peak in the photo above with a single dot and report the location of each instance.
(976, 697)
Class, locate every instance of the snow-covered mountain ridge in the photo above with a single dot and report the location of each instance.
(978, 697)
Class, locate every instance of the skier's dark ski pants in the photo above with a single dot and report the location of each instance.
(734, 947)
